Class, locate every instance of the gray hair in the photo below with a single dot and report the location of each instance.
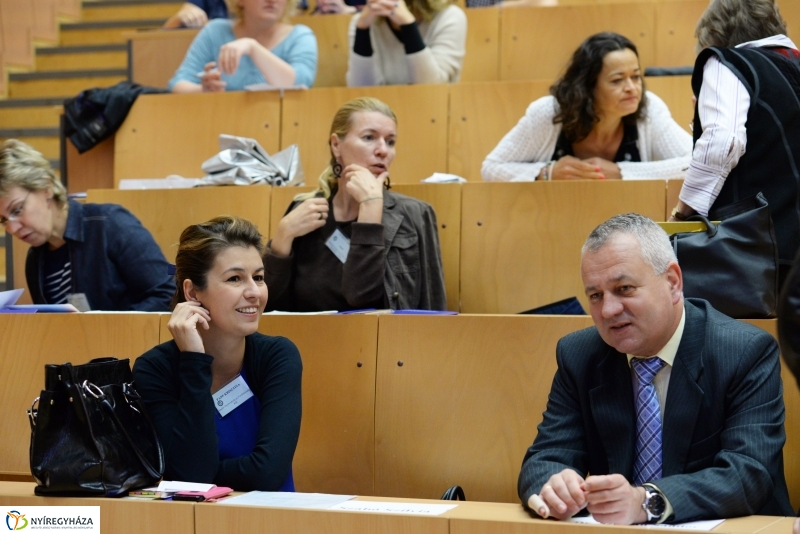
(727, 23)
(653, 240)
(22, 166)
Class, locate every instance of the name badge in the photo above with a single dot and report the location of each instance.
(339, 245)
(232, 395)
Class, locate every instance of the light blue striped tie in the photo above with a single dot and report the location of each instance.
(647, 466)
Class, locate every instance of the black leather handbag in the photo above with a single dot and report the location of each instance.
(90, 433)
(733, 264)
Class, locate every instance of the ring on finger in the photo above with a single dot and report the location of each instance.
(321, 216)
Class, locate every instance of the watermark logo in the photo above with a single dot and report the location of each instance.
(54, 519)
(16, 520)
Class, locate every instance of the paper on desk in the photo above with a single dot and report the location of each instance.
(9, 297)
(176, 485)
(394, 507)
(443, 178)
(319, 501)
(691, 525)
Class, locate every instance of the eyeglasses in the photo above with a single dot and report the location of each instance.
(16, 213)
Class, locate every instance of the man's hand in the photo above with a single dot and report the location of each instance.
(611, 499)
(563, 494)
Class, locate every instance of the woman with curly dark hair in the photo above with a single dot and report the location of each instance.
(598, 123)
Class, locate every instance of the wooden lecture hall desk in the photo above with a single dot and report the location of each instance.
(123, 516)
(393, 405)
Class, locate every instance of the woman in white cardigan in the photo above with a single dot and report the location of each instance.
(598, 124)
(395, 42)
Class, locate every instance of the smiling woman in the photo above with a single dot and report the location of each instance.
(247, 443)
(599, 123)
(95, 255)
(352, 243)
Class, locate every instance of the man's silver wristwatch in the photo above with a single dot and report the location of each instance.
(654, 504)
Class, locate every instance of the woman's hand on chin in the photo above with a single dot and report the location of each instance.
(362, 184)
(572, 168)
(183, 325)
(395, 10)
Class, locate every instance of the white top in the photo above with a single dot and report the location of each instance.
(665, 147)
(440, 61)
(722, 106)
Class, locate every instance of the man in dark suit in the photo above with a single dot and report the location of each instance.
(714, 383)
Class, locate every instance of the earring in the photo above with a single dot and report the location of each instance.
(337, 169)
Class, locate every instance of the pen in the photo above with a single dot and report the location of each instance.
(539, 506)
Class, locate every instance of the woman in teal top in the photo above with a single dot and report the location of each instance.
(257, 46)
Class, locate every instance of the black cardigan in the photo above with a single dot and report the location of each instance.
(176, 388)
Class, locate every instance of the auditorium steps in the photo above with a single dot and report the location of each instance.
(102, 56)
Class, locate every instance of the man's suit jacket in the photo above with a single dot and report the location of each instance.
(723, 431)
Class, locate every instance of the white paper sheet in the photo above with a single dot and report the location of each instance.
(7, 298)
(176, 485)
(394, 507)
(319, 501)
(691, 525)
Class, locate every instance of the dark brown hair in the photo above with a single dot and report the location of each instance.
(574, 91)
(727, 23)
(201, 243)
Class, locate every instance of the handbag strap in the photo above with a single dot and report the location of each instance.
(102, 398)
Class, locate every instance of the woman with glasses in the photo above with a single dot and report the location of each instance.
(95, 256)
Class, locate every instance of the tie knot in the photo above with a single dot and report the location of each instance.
(647, 368)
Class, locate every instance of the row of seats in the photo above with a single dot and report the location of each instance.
(506, 248)
(401, 406)
(441, 128)
(513, 43)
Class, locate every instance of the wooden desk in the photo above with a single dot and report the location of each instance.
(167, 212)
(131, 516)
(332, 46)
(537, 43)
(499, 518)
(155, 55)
(208, 518)
(117, 516)
(422, 114)
(30, 341)
(521, 242)
(458, 400)
(481, 113)
(175, 134)
(482, 54)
